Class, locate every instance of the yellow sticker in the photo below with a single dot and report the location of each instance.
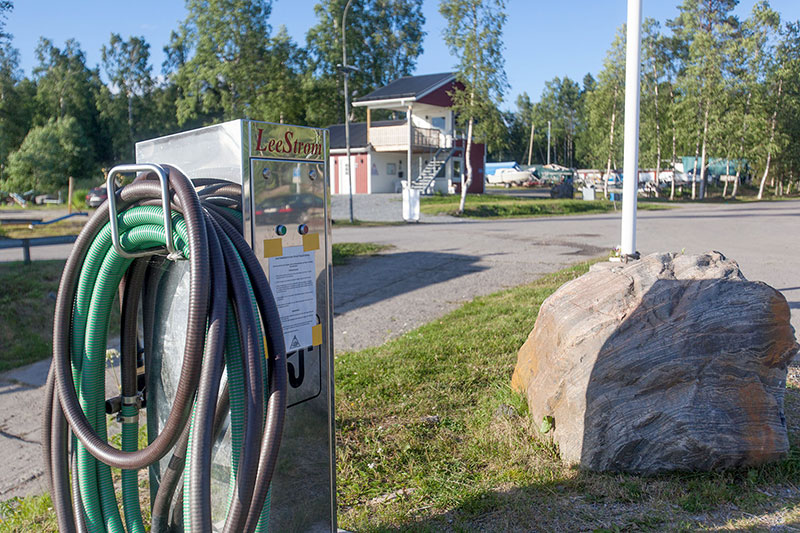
(310, 242)
(316, 335)
(273, 248)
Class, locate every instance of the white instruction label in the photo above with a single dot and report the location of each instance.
(292, 277)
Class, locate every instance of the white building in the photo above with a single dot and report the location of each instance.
(424, 141)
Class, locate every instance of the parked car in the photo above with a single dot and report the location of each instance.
(286, 207)
(96, 196)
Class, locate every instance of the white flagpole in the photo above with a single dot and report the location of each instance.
(630, 183)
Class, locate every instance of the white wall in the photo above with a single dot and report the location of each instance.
(423, 115)
(380, 178)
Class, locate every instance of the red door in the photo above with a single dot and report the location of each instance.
(362, 175)
(335, 175)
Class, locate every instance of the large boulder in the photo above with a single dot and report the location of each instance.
(671, 362)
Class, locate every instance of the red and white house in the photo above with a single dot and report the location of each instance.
(424, 141)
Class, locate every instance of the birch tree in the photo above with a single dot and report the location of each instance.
(769, 64)
(127, 64)
(605, 106)
(705, 26)
(652, 70)
(384, 40)
(474, 36)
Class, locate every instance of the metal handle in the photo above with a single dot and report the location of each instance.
(112, 207)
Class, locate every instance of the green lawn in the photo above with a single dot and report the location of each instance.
(496, 206)
(432, 438)
(27, 302)
(344, 251)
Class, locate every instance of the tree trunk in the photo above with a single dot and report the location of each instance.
(130, 123)
(771, 139)
(741, 146)
(610, 144)
(530, 145)
(703, 176)
(466, 179)
(674, 141)
(658, 131)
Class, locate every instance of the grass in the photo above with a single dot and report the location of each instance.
(70, 226)
(344, 251)
(33, 513)
(432, 438)
(365, 223)
(27, 302)
(496, 206)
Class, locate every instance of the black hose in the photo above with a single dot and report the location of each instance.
(216, 281)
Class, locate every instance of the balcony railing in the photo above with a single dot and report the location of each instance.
(390, 138)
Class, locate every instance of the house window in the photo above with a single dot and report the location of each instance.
(438, 122)
(391, 169)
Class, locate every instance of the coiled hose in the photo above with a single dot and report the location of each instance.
(233, 331)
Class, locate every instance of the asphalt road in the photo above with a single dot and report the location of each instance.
(437, 265)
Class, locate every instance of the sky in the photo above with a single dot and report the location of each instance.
(543, 38)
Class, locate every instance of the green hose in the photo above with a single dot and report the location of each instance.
(140, 228)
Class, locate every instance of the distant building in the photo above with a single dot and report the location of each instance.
(424, 141)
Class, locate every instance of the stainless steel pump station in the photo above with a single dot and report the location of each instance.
(283, 171)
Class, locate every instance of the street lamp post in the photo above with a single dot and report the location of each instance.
(346, 70)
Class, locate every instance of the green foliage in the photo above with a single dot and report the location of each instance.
(384, 39)
(66, 87)
(127, 66)
(5, 7)
(78, 200)
(561, 104)
(227, 66)
(16, 103)
(49, 155)
(474, 36)
(604, 107)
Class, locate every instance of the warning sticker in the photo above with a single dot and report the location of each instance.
(293, 280)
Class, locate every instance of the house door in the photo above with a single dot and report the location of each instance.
(344, 180)
(335, 180)
(361, 174)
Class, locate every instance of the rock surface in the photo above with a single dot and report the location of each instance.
(672, 362)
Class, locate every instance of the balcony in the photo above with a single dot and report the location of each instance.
(395, 138)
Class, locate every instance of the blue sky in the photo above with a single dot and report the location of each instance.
(543, 38)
